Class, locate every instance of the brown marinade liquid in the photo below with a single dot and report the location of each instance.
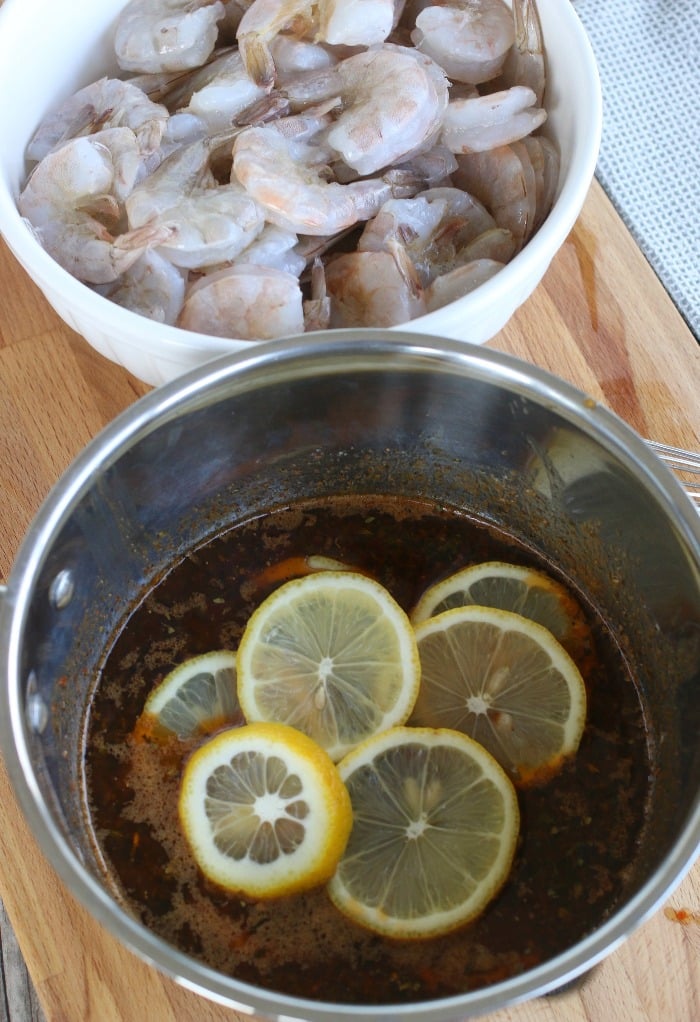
(579, 831)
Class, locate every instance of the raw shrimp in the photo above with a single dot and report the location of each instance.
(359, 23)
(277, 248)
(70, 197)
(210, 227)
(169, 87)
(213, 187)
(470, 39)
(392, 100)
(288, 177)
(248, 302)
(499, 180)
(435, 228)
(524, 64)
(218, 92)
(153, 287)
(107, 103)
(128, 163)
(379, 289)
(207, 223)
(185, 171)
(460, 282)
(166, 35)
(486, 122)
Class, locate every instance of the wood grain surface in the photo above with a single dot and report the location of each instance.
(600, 319)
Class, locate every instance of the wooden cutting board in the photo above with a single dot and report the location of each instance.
(600, 319)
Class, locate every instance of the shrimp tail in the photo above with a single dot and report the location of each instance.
(257, 59)
(528, 31)
(405, 266)
(103, 208)
(525, 65)
(262, 111)
(403, 182)
(317, 308)
(143, 238)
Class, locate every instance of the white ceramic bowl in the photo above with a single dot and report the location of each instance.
(48, 50)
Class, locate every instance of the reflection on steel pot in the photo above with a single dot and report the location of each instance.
(358, 413)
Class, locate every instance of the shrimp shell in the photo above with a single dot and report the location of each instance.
(152, 287)
(545, 162)
(259, 25)
(107, 103)
(498, 179)
(379, 289)
(460, 282)
(524, 64)
(288, 177)
(361, 23)
(317, 308)
(470, 39)
(71, 194)
(486, 122)
(251, 302)
(166, 35)
(436, 229)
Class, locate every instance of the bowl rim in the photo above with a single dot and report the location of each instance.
(224, 377)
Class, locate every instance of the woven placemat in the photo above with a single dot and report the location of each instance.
(648, 53)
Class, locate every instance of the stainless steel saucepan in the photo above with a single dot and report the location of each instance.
(354, 413)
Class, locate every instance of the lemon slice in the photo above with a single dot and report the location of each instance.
(332, 654)
(197, 697)
(513, 587)
(435, 827)
(264, 810)
(505, 681)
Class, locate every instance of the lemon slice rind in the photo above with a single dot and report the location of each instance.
(264, 811)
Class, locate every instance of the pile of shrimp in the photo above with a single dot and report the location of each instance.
(263, 168)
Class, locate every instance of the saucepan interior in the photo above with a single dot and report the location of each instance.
(355, 414)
